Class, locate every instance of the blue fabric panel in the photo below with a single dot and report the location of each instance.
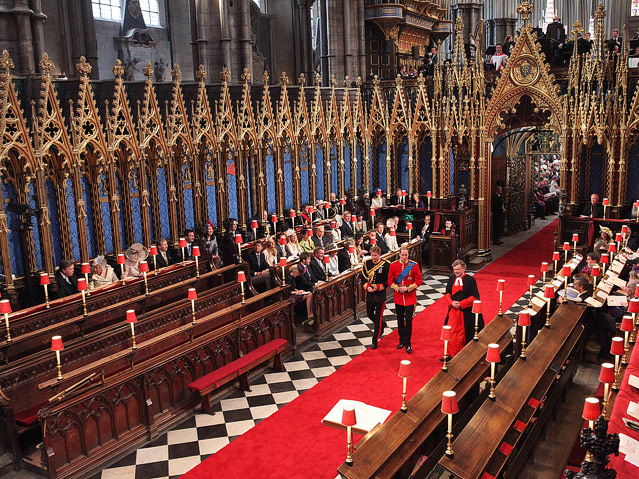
(347, 167)
(135, 211)
(359, 152)
(632, 189)
(334, 169)
(247, 175)
(403, 179)
(73, 222)
(118, 185)
(425, 166)
(105, 211)
(55, 222)
(36, 229)
(372, 179)
(452, 173)
(90, 225)
(13, 223)
(319, 171)
(305, 174)
(380, 157)
(464, 179)
(210, 189)
(288, 179)
(164, 203)
(188, 199)
(270, 184)
(231, 176)
(596, 170)
(151, 229)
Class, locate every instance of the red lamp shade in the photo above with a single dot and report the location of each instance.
(82, 284)
(351, 249)
(310, 209)
(566, 271)
(624, 230)
(555, 256)
(283, 240)
(56, 343)
(633, 306)
(409, 225)
(238, 238)
(342, 201)
(131, 317)
(144, 267)
(619, 237)
(348, 416)
(429, 194)
(575, 237)
(333, 224)
(532, 279)
(309, 233)
(274, 217)
(327, 259)
(254, 224)
(544, 267)
(626, 323)
(605, 259)
(403, 192)
(182, 243)
(607, 373)
(566, 246)
(153, 251)
(637, 291)
(373, 240)
(192, 294)
(5, 306)
(447, 333)
(44, 279)
(492, 353)
(379, 192)
(241, 276)
(372, 212)
(594, 271)
(501, 285)
(524, 318)
(121, 259)
(616, 348)
(449, 402)
(196, 251)
(612, 247)
(605, 202)
(549, 291)
(292, 214)
(86, 269)
(283, 262)
(477, 307)
(591, 409)
(405, 369)
(392, 233)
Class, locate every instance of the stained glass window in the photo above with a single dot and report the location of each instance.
(634, 9)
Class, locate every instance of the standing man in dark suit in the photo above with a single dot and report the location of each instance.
(375, 274)
(614, 44)
(318, 270)
(164, 257)
(379, 236)
(66, 279)
(556, 31)
(258, 267)
(498, 214)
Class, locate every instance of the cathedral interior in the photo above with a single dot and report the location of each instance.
(127, 124)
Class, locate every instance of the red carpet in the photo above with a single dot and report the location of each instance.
(294, 443)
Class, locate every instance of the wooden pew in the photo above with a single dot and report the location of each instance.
(81, 434)
(442, 251)
(394, 448)
(31, 334)
(341, 299)
(525, 396)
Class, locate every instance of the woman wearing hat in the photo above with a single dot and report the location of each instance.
(101, 273)
(134, 254)
(604, 239)
(293, 248)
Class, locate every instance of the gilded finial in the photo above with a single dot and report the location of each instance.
(176, 73)
(225, 75)
(359, 82)
(6, 62)
(347, 81)
(265, 77)
(376, 80)
(118, 69)
(246, 76)
(333, 80)
(148, 71)
(284, 79)
(525, 8)
(420, 79)
(601, 11)
(201, 73)
(46, 65)
(459, 24)
(577, 28)
(318, 79)
(83, 67)
(398, 80)
(302, 80)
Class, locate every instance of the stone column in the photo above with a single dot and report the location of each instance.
(225, 37)
(470, 13)
(23, 14)
(324, 41)
(90, 50)
(37, 28)
(348, 46)
(246, 44)
(361, 35)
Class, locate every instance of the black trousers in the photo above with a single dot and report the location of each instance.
(374, 311)
(404, 322)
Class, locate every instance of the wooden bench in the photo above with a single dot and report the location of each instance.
(238, 369)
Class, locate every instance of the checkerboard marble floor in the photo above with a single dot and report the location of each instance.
(190, 443)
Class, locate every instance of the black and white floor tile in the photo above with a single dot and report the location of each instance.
(190, 443)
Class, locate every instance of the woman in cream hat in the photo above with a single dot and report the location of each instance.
(101, 273)
(602, 243)
(134, 254)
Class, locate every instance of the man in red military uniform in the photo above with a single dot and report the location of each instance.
(404, 276)
(461, 291)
